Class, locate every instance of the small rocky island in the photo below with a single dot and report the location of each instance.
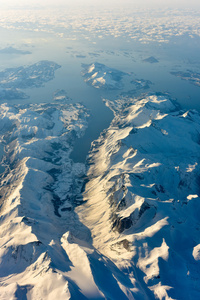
(141, 83)
(151, 60)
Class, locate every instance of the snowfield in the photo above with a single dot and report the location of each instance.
(126, 226)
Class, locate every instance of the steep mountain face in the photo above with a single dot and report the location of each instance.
(143, 196)
(38, 194)
(125, 228)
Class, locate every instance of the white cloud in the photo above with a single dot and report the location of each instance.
(140, 3)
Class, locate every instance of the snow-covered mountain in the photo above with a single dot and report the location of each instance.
(102, 77)
(142, 196)
(12, 80)
(127, 227)
(38, 192)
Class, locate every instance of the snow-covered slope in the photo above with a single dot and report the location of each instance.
(142, 196)
(38, 193)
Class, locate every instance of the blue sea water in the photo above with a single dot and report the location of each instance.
(1, 156)
(119, 53)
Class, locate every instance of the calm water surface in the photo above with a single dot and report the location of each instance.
(1, 156)
(115, 53)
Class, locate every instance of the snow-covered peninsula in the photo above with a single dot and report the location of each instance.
(142, 196)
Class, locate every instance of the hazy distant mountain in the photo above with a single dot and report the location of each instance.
(151, 60)
(11, 50)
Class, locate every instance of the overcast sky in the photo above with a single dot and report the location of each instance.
(141, 3)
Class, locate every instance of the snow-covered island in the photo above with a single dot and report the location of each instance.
(102, 77)
(192, 77)
(33, 76)
(60, 95)
(12, 93)
(141, 84)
